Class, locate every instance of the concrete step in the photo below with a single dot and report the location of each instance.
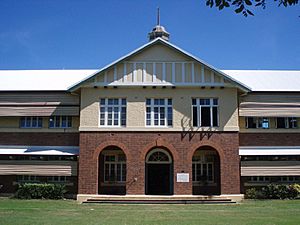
(159, 201)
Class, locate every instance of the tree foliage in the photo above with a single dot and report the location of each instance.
(244, 6)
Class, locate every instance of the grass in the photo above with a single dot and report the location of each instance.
(14, 212)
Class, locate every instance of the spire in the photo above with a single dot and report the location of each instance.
(158, 30)
(158, 19)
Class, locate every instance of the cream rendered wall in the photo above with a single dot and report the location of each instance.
(136, 97)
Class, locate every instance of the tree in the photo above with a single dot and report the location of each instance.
(243, 6)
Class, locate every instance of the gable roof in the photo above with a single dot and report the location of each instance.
(268, 80)
(40, 80)
(168, 44)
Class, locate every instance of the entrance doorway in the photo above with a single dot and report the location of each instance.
(159, 173)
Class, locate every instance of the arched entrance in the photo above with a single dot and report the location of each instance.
(112, 171)
(206, 171)
(159, 173)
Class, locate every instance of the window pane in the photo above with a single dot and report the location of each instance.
(102, 101)
(40, 122)
(148, 101)
(169, 101)
(23, 124)
(215, 101)
(51, 121)
(110, 101)
(64, 121)
(116, 101)
(292, 122)
(195, 117)
(34, 121)
(170, 116)
(28, 121)
(215, 116)
(280, 122)
(124, 101)
(57, 121)
(194, 102)
(251, 122)
(205, 117)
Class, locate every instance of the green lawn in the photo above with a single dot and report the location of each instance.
(70, 212)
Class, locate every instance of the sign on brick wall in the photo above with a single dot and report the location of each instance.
(183, 177)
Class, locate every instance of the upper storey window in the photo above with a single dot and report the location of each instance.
(257, 122)
(159, 112)
(60, 122)
(113, 112)
(286, 122)
(205, 112)
(31, 122)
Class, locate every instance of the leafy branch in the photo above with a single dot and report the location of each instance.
(244, 6)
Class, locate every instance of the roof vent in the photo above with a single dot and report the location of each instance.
(158, 30)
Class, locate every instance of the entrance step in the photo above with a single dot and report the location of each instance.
(159, 200)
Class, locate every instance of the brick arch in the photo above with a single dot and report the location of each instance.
(160, 143)
(106, 144)
(196, 146)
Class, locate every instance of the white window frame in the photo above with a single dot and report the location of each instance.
(57, 179)
(257, 120)
(210, 106)
(287, 123)
(152, 113)
(201, 163)
(115, 165)
(120, 105)
(60, 118)
(30, 120)
(260, 179)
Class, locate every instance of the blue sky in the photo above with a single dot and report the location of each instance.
(88, 34)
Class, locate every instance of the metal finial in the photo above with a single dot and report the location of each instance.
(158, 19)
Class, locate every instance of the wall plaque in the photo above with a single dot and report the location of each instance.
(183, 177)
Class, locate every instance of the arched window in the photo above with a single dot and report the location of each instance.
(203, 166)
(158, 156)
(114, 166)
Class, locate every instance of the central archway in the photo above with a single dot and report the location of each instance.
(159, 172)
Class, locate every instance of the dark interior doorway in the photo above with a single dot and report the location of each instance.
(159, 173)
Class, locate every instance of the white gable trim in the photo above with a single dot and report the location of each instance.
(160, 40)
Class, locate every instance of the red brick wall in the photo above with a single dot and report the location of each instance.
(269, 139)
(47, 139)
(136, 145)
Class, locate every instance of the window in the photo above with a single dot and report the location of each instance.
(60, 121)
(31, 122)
(159, 112)
(203, 168)
(113, 112)
(114, 167)
(260, 179)
(257, 122)
(286, 122)
(27, 178)
(205, 112)
(57, 179)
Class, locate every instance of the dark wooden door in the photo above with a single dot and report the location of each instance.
(158, 179)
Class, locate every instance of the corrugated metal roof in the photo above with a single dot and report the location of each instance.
(267, 80)
(61, 80)
(38, 150)
(40, 80)
(269, 150)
